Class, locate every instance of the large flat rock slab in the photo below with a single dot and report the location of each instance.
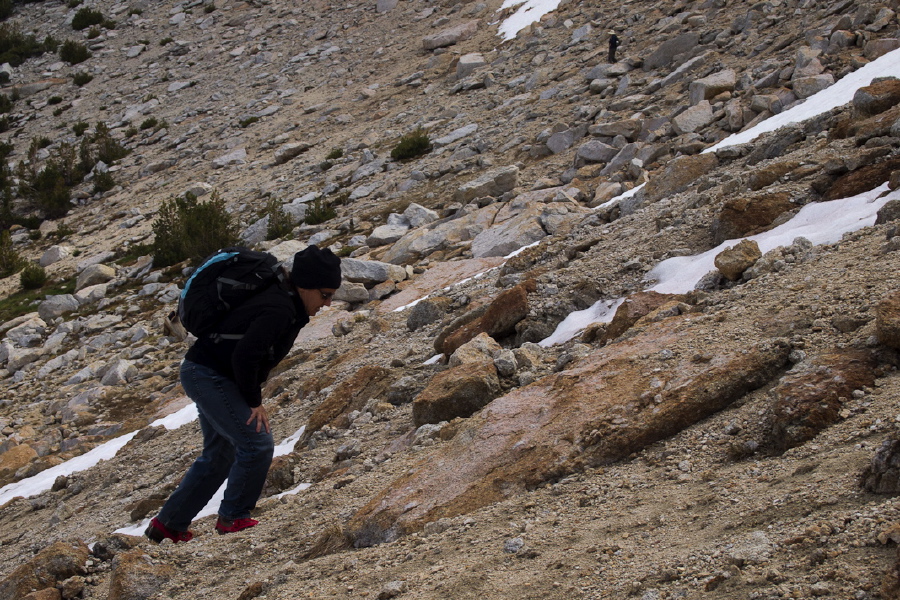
(613, 402)
(438, 277)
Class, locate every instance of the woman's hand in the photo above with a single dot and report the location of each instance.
(259, 415)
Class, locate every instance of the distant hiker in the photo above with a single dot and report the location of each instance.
(613, 44)
(223, 374)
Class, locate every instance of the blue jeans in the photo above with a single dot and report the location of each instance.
(232, 450)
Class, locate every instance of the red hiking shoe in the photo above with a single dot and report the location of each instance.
(157, 532)
(226, 526)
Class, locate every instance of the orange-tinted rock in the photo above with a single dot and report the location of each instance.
(679, 174)
(747, 215)
(809, 399)
(14, 459)
(862, 179)
(887, 320)
(877, 97)
(634, 308)
(499, 320)
(733, 261)
(611, 403)
(135, 576)
(770, 173)
(53, 564)
(459, 391)
(367, 383)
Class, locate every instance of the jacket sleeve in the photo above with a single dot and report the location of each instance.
(252, 358)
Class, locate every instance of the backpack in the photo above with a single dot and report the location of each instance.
(223, 281)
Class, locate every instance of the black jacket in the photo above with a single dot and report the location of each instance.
(270, 322)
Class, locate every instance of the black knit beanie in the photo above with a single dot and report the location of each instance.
(314, 268)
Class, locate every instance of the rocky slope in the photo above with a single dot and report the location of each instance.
(708, 444)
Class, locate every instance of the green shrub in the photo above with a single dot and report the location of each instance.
(131, 131)
(109, 24)
(335, 154)
(412, 145)
(10, 261)
(62, 231)
(16, 47)
(135, 11)
(50, 44)
(108, 149)
(5, 123)
(149, 123)
(248, 121)
(33, 276)
(81, 78)
(326, 164)
(6, 104)
(319, 212)
(280, 223)
(74, 3)
(54, 100)
(79, 128)
(93, 33)
(103, 182)
(85, 17)
(186, 229)
(74, 52)
(209, 8)
(166, 40)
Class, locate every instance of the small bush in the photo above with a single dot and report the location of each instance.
(62, 231)
(41, 142)
(131, 132)
(280, 223)
(149, 123)
(103, 182)
(79, 128)
(135, 11)
(411, 146)
(186, 229)
(81, 78)
(54, 100)
(85, 17)
(10, 261)
(74, 52)
(93, 33)
(166, 40)
(209, 8)
(16, 47)
(6, 104)
(335, 154)
(33, 277)
(5, 123)
(248, 121)
(108, 149)
(74, 3)
(319, 212)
